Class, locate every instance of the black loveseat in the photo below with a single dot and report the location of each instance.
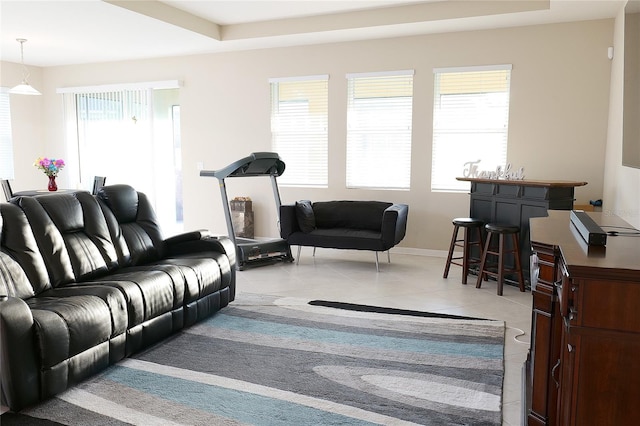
(86, 281)
(356, 225)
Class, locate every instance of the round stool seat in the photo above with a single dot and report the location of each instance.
(467, 222)
(501, 229)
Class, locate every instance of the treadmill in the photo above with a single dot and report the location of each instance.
(251, 252)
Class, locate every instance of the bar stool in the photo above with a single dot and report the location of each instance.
(501, 231)
(468, 224)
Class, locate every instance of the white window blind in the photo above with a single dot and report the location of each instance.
(115, 137)
(128, 135)
(470, 122)
(299, 110)
(379, 127)
(6, 142)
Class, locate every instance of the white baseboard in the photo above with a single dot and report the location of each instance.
(401, 250)
(420, 252)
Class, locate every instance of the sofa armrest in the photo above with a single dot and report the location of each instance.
(394, 224)
(288, 220)
(188, 236)
(18, 355)
(201, 241)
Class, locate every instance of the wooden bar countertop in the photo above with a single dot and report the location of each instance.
(526, 182)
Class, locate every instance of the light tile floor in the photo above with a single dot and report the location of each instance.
(408, 282)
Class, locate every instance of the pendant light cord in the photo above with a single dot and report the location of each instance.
(25, 71)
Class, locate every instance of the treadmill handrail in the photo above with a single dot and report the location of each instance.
(256, 164)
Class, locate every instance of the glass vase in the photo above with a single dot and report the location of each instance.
(52, 184)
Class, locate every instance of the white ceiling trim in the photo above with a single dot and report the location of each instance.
(170, 15)
(63, 32)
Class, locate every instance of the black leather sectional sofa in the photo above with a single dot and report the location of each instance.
(345, 224)
(86, 281)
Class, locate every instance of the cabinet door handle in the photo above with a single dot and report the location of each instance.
(572, 316)
(570, 348)
(553, 374)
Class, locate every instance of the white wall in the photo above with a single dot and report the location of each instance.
(621, 183)
(558, 124)
(27, 126)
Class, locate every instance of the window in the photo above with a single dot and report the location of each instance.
(379, 123)
(6, 142)
(299, 129)
(128, 134)
(470, 122)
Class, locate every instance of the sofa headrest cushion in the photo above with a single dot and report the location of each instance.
(122, 200)
(305, 216)
(64, 210)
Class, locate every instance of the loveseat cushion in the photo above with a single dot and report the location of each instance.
(150, 291)
(67, 326)
(306, 217)
(350, 214)
(219, 275)
(202, 275)
(113, 298)
(73, 338)
(340, 238)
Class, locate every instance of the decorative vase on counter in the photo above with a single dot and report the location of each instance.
(52, 184)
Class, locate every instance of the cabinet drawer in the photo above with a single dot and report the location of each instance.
(609, 305)
(510, 191)
(536, 193)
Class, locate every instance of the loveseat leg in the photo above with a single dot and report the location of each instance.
(388, 256)
(314, 252)
(298, 256)
(377, 264)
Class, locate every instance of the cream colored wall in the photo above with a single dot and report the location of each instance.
(27, 127)
(558, 123)
(621, 183)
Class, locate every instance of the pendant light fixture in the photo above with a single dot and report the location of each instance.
(23, 88)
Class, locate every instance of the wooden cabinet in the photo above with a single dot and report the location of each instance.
(545, 335)
(514, 202)
(583, 364)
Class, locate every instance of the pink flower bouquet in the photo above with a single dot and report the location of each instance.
(50, 166)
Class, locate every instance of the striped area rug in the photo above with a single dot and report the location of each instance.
(270, 361)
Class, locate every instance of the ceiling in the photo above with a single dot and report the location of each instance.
(89, 31)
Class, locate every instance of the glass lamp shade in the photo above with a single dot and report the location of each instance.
(24, 89)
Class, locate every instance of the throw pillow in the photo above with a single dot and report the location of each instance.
(305, 216)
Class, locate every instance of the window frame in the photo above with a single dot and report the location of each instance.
(473, 103)
(383, 123)
(307, 168)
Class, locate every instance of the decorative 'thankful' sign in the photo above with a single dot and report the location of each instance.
(471, 171)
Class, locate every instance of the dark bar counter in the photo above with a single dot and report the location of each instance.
(514, 202)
